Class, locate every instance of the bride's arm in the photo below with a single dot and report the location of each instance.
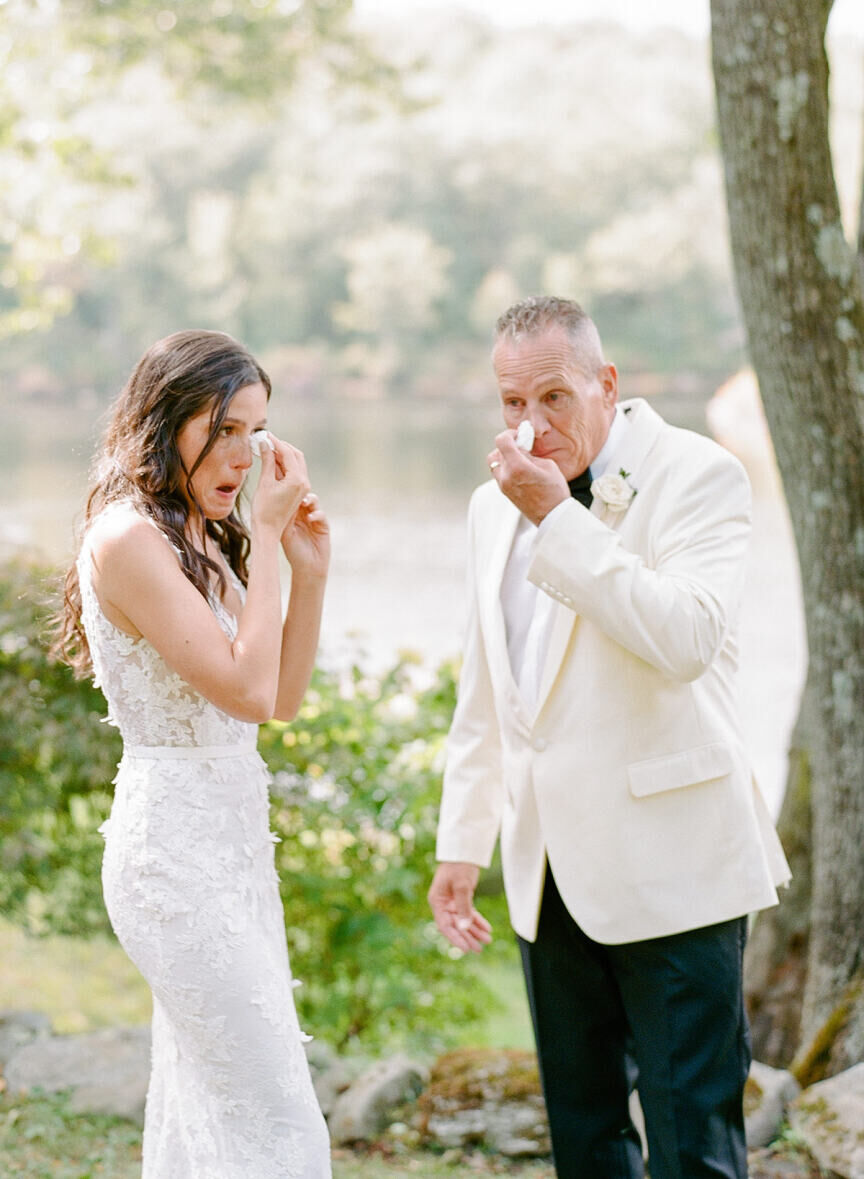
(142, 588)
(306, 543)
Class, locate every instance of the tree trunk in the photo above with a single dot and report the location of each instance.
(861, 216)
(801, 295)
(776, 960)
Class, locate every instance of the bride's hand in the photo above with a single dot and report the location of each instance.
(306, 539)
(282, 485)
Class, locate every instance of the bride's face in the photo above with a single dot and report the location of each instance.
(217, 481)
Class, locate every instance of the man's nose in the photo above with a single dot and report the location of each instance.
(537, 417)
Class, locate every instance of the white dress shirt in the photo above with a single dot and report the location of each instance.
(528, 612)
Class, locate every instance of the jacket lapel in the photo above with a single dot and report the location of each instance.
(504, 524)
(644, 424)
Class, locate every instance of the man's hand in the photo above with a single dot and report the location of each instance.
(535, 485)
(451, 895)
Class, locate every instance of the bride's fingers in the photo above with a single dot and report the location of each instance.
(312, 510)
(281, 468)
(286, 456)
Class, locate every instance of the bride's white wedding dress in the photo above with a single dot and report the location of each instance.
(191, 890)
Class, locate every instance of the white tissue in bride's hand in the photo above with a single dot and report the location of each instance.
(525, 436)
(260, 438)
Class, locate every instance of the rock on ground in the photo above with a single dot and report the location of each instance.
(492, 1098)
(487, 1097)
(782, 1163)
(829, 1116)
(18, 1028)
(362, 1111)
(105, 1072)
(330, 1075)
(766, 1098)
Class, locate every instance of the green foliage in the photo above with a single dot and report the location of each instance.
(375, 228)
(356, 785)
(251, 49)
(71, 69)
(56, 764)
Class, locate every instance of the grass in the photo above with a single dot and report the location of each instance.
(41, 1138)
(79, 984)
(425, 1165)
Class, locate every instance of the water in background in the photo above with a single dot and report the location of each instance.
(395, 479)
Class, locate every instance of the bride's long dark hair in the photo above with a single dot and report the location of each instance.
(176, 379)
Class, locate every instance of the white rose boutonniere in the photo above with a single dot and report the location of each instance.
(614, 490)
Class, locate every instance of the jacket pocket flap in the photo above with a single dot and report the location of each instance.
(679, 769)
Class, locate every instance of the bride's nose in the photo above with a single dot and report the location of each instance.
(242, 456)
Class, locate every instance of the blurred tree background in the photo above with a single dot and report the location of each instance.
(356, 204)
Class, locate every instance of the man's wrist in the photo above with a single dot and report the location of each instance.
(553, 506)
(551, 515)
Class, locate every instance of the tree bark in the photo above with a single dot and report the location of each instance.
(801, 295)
(776, 960)
(860, 250)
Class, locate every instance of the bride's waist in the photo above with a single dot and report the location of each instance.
(191, 752)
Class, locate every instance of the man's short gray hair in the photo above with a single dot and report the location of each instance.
(533, 316)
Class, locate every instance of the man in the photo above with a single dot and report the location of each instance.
(597, 731)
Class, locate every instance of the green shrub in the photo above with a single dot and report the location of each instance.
(356, 787)
(355, 801)
(56, 765)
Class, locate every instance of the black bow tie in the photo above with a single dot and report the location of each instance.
(580, 488)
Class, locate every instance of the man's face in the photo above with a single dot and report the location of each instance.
(543, 378)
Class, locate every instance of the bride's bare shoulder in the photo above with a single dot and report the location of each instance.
(122, 532)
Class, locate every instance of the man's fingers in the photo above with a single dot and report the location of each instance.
(506, 444)
(475, 934)
(458, 930)
(451, 897)
(481, 923)
(467, 932)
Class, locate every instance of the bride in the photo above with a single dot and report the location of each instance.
(175, 607)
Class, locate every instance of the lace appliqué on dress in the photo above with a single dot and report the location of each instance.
(192, 893)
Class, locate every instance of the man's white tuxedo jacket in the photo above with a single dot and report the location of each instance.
(630, 772)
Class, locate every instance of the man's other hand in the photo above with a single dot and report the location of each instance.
(451, 895)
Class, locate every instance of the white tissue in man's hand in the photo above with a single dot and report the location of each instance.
(260, 438)
(525, 436)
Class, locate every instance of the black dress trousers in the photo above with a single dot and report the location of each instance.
(667, 1014)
